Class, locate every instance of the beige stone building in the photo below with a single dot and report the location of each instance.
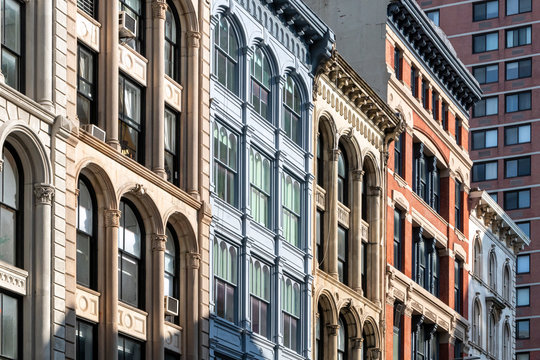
(104, 133)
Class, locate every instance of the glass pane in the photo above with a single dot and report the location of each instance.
(86, 67)
(512, 71)
(492, 41)
(524, 133)
(491, 171)
(511, 168)
(84, 211)
(9, 313)
(492, 105)
(10, 180)
(170, 131)
(132, 103)
(83, 259)
(7, 236)
(83, 109)
(512, 7)
(12, 25)
(129, 280)
(85, 341)
(229, 300)
(491, 138)
(131, 231)
(168, 286)
(524, 199)
(129, 140)
(492, 9)
(525, 101)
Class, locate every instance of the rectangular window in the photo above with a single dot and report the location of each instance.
(518, 6)
(434, 16)
(9, 327)
(260, 170)
(130, 118)
(522, 356)
(398, 155)
(129, 349)
(319, 237)
(525, 226)
(518, 199)
(291, 209)
(518, 102)
(259, 288)
(342, 255)
(494, 196)
(486, 107)
(171, 146)
(398, 239)
(134, 8)
(425, 94)
(523, 264)
(290, 306)
(518, 37)
(12, 23)
(435, 106)
(86, 340)
(363, 268)
(397, 63)
(458, 131)
(86, 80)
(458, 285)
(484, 139)
(485, 10)
(519, 134)
(518, 69)
(444, 111)
(225, 279)
(486, 74)
(458, 212)
(485, 42)
(225, 164)
(517, 167)
(88, 6)
(484, 171)
(414, 82)
(522, 329)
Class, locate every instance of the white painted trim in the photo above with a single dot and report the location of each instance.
(495, 29)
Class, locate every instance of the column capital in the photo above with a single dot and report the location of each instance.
(159, 8)
(44, 193)
(334, 154)
(112, 218)
(357, 343)
(358, 175)
(193, 259)
(332, 329)
(158, 242)
(193, 38)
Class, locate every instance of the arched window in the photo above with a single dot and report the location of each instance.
(171, 286)
(171, 43)
(225, 163)
(12, 60)
(130, 256)
(319, 343)
(226, 55)
(86, 231)
(291, 209)
(260, 83)
(477, 321)
(342, 340)
(506, 283)
(291, 121)
(11, 210)
(343, 254)
(492, 335)
(259, 287)
(290, 306)
(507, 349)
(320, 160)
(343, 178)
(492, 271)
(477, 258)
(225, 279)
(134, 8)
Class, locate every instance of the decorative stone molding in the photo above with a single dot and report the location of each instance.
(400, 199)
(357, 343)
(159, 8)
(320, 198)
(132, 321)
(87, 304)
(112, 218)
(13, 279)
(332, 329)
(358, 175)
(365, 231)
(193, 259)
(132, 63)
(139, 190)
(193, 39)
(158, 242)
(87, 30)
(173, 93)
(343, 215)
(173, 338)
(44, 193)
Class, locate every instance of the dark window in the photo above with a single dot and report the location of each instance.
(434, 16)
(518, 37)
(225, 163)
(398, 154)
(363, 268)
(86, 340)
(134, 8)
(486, 74)
(426, 177)
(522, 356)
(458, 207)
(458, 349)
(485, 42)
(225, 279)
(519, 134)
(518, 102)
(486, 107)
(88, 6)
(398, 239)
(130, 256)
(343, 178)
(414, 81)
(130, 118)
(458, 285)
(397, 63)
(319, 237)
(484, 171)
(522, 329)
(444, 112)
(172, 52)
(425, 341)
(525, 226)
(171, 269)
(12, 22)
(86, 89)
(425, 262)
(172, 161)
(342, 341)
(129, 349)
(11, 199)
(425, 94)
(435, 106)
(260, 83)
(86, 230)
(292, 123)
(518, 6)
(458, 131)
(518, 69)
(318, 351)
(523, 264)
(343, 255)
(518, 199)
(517, 167)
(320, 161)
(226, 55)
(485, 10)
(397, 340)
(484, 139)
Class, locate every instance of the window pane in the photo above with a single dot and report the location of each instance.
(7, 236)
(491, 138)
(491, 171)
(131, 233)
(522, 295)
(524, 133)
(511, 168)
(10, 68)
(524, 199)
(492, 105)
(83, 259)
(85, 341)
(12, 25)
(523, 264)
(525, 227)
(492, 41)
(129, 272)
(9, 326)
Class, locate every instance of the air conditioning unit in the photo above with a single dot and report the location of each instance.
(94, 131)
(171, 306)
(127, 25)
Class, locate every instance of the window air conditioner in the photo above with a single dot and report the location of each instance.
(171, 306)
(127, 25)
(94, 131)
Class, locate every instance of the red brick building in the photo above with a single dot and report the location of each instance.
(498, 41)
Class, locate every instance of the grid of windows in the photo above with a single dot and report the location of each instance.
(523, 295)
(518, 199)
(517, 167)
(519, 134)
(485, 10)
(484, 171)
(518, 37)
(226, 55)
(260, 170)
(130, 118)
(518, 69)
(486, 74)
(486, 107)
(225, 279)
(485, 42)
(523, 264)
(518, 6)
(484, 139)
(522, 329)
(518, 102)
(12, 23)
(225, 163)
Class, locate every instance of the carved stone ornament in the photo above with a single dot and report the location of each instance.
(332, 329)
(159, 8)
(194, 259)
(158, 242)
(357, 343)
(44, 193)
(138, 190)
(193, 38)
(112, 218)
(358, 175)
(1, 165)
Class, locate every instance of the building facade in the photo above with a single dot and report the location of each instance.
(353, 128)
(495, 39)
(105, 125)
(264, 55)
(495, 243)
(417, 72)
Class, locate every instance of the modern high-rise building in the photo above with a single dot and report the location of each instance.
(496, 41)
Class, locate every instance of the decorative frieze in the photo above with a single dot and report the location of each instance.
(173, 94)
(173, 338)
(132, 63)
(132, 321)
(343, 215)
(13, 279)
(320, 198)
(88, 30)
(87, 304)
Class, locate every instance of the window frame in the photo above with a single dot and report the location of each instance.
(517, 192)
(218, 126)
(458, 206)
(95, 339)
(234, 61)
(21, 54)
(398, 154)
(293, 113)
(518, 30)
(429, 12)
(485, 69)
(519, 12)
(518, 127)
(217, 279)
(519, 106)
(414, 81)
(343, 256)
(125, 338)
(484, 132)
(255, 81)
(528, 257)
(298, 215)
(173, 153)
(528, 296)
(518, 62)
(123, 120)
(458, 285)
(137, 43)
(484, 36)
(176, 266)
(484, 178)
(258, 298)
(519, 170)
(286, 312)
(95, 5)
(523, 321)
(485, 3)
(398, 63)
(93, 241)
(174, 44)
(398, 239)
(93, 98)
(258, 189)
(484, 103)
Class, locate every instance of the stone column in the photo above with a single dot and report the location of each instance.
(158, 313)
(192, 315)
(356, 226)
(356, 348)
(44, 53)
(332, 344)
(110, 66)
(331, 180)
(159, 8)
(193, 41)
(42, 294)
(375, 244)
(110, 291)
